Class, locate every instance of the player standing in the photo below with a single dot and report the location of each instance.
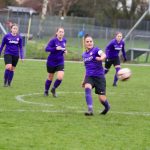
(13, 46)
(55, 61)
(112, 55)
(94, 75)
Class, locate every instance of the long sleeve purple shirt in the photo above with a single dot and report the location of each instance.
(56, 57)
(13, 45)
(113, 48)
(92, 66)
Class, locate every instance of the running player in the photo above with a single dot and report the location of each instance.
(13, 46)
(55, 61)
(94, 75)
(112, 55)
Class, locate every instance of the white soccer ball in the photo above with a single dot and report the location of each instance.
(124, 74)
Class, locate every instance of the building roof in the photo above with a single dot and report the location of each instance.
(19, 9)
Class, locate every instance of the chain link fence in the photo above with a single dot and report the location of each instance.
(72, 26)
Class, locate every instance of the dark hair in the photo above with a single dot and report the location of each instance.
(86, 36)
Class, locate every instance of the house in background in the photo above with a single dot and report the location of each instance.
(17, 11)
(16, 14)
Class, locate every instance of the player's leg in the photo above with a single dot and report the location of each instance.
(107, 65)
(88, 95)
(100, 89)
(8, 67)
(12, 70)
(89, 100)
(58, 81)
(49, 79)
(105, 103)
(117, 68)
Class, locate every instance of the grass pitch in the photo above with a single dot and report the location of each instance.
(30, 121)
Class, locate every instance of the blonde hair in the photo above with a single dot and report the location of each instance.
(58, 30)
(14, 24)
(118, 33)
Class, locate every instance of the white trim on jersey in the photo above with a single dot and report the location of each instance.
(100, 52)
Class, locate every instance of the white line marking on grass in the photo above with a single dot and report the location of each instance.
(20, 99)
(29, 110)
(44, 60)
(132, 113)
(146, 114)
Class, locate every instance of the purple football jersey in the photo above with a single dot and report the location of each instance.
(92, 66)
(13, 45)
(56, 57)
(113, 49)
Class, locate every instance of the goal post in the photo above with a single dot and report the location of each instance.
(138, 22)
(2, 28)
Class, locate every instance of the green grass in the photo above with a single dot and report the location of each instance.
(35, 48)
(63, 126)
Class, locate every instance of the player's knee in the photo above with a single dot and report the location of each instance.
(50, 76)
(87, 86)
(117, 68)
(102, 97)
(9, 67)
(60, 75)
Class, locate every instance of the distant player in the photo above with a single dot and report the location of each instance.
(55, 61)
(112, 55)
(13, 47)
(94, 75)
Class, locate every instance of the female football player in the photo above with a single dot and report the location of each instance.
(55, 61)
(94, 75)
(112, 54)
(13, 46)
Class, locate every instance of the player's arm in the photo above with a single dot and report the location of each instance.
(50, 46)
(65, 51)
(108, 47)
(83, 81)
(21, 48)
(124, 53)
(101, 56)
(3, 44)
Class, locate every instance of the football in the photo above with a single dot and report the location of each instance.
(124, 74)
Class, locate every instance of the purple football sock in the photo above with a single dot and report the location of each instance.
(57, 83)
(115, 77)
(47, 84)
(10, 77)
(106, 104)
(106, 70)
(6, 74)
(107, 107)
(89, 100)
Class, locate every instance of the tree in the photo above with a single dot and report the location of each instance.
(5, 3)
(55, 7)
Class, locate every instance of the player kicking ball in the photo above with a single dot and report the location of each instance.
(94, 75)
